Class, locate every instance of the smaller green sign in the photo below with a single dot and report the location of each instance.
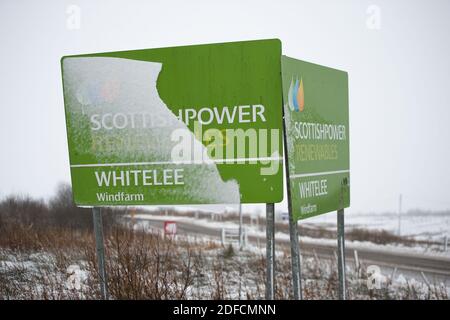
(317, 137)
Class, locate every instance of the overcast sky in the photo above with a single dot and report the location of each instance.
(397, 54)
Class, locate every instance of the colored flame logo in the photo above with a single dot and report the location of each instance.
(96, 93)
(296, 95)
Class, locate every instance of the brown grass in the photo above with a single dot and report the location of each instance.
(37, 246)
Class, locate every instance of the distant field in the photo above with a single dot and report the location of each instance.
(432, 226)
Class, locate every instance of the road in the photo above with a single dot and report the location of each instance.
(435, 269)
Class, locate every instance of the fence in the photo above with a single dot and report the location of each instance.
(231, 235)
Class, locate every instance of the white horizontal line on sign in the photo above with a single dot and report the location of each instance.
(317, 174)
(219, 161)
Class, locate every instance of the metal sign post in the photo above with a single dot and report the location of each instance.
(293, 231)
(241, 242)
(100, 249)
(295, 258)
(341, 254)
(270, 251)
(400, 215)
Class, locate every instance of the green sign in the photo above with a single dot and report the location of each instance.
(183, 125)
(317, 137)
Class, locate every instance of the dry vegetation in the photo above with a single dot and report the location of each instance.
(47, 251)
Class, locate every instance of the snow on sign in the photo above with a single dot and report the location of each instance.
(182, 125)
(317, 137)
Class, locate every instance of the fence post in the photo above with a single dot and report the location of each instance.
(357, 265)
(245, 237)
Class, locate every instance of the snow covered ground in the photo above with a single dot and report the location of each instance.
(435, 225)
(420, 225)
(222, 276)
(431, 226)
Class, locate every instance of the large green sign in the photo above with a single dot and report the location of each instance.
(317, 137)
(182, 125)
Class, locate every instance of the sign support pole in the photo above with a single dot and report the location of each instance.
(341, 254)
(240, 228)
(293, 229)
(100, 249)
(270, 251)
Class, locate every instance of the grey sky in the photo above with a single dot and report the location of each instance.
(399, 80)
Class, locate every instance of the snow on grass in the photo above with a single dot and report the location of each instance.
(221, 273)
(419, 225)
